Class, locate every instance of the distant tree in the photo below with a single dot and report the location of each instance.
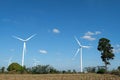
(24, 70)
(106, 50)
(15, 67)
(53, 70)
(69, 71)
(74, 71)
(119, 68)
(101, 71)
(100, 67)
(3, 69)
(90, 69)
(63, 71)
(42, 69)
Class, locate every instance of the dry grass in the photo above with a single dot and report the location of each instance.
(58, 77)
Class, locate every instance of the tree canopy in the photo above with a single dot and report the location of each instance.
(14, 67)
(106, 50)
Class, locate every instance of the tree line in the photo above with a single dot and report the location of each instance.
(15, 68)
(104, 47)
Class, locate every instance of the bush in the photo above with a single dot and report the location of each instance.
(15, 68)
(115, 72)
(101, 71)
(90, 69)
(42, 69)
(119, 68)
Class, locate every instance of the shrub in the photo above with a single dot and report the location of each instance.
(115, 72)
(15, 68)
(101, 71)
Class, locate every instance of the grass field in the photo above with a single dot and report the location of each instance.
(58, 77)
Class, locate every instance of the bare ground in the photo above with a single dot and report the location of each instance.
(58, 77)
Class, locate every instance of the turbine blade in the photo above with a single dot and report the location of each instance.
(18, 38)
(76, 53)
(30, 37)
(78, 41)
(86, 46)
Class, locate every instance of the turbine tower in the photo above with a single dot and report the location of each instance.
(80, 50)
(24, 46)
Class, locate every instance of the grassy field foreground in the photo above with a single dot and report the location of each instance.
(58, 77)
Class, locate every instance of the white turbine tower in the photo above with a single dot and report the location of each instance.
(24, 46)
(80, 50)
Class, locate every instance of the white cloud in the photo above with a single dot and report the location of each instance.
(93, 33)
(90, 35)
(43, 51)
(97, 32)
(55, 30)
(116, 48)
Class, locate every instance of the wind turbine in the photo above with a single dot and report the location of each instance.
(80, 50)
(24, 46)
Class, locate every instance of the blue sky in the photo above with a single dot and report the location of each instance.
(56, 22)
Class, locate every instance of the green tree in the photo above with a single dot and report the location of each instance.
(106, 50)
(3, 69)
(90, 69)
(69, 71)
(52, 70)
(40, 69)
(119, 68)
(15, 67)
(24, 70)
(74, 71)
